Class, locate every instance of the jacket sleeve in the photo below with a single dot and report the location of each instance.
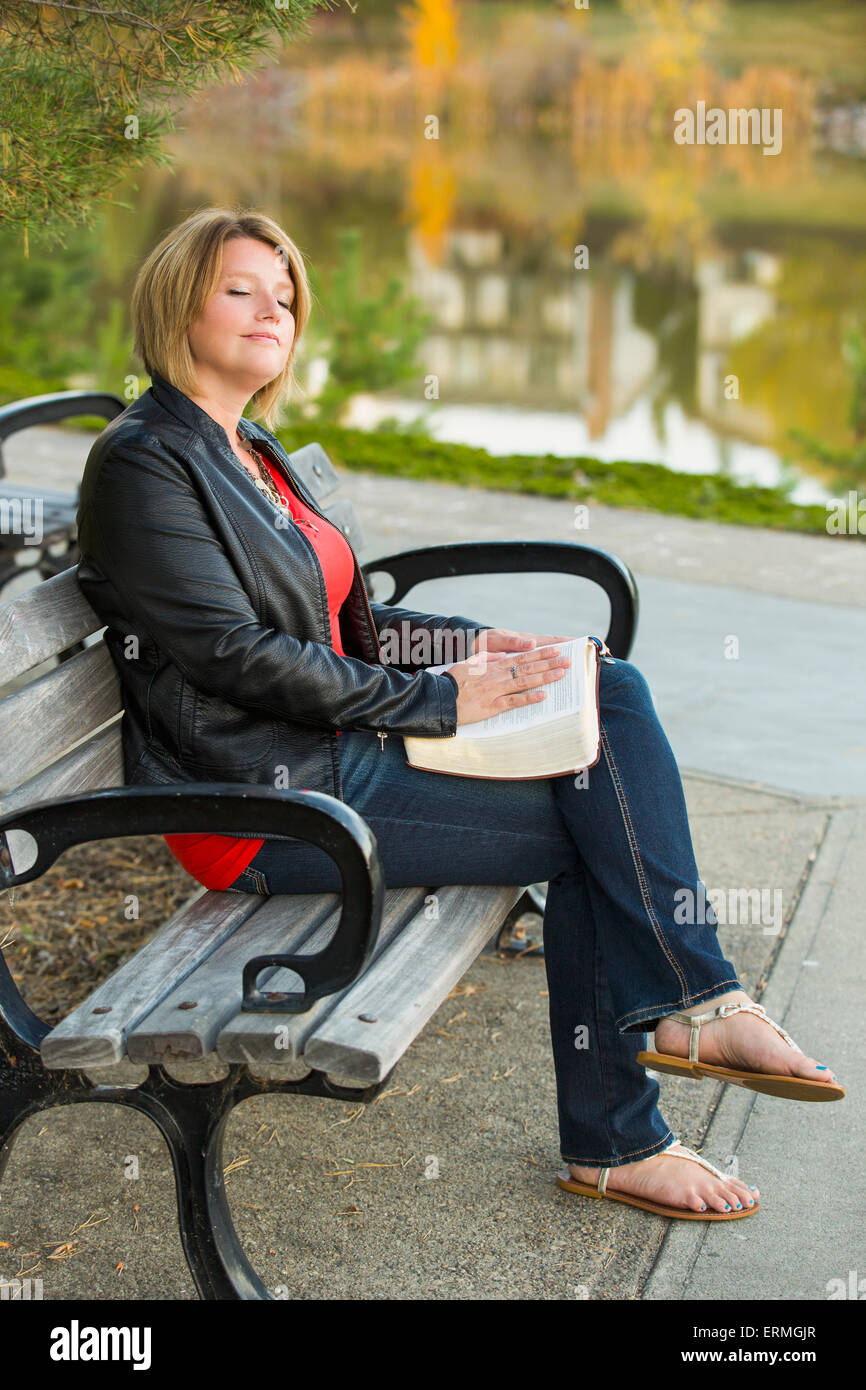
(175, 580)
(409, 640)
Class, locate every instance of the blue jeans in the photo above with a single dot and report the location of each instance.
(615, 853)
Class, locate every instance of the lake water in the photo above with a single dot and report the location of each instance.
(594, 286)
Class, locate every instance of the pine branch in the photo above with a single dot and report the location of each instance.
(72, 74)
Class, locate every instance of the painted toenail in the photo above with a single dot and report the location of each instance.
(820, 1066)
(727, 1206)
(739, 1206)
(751, 1201)
(704, 1207)
(752, 1189)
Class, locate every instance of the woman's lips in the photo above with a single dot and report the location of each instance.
(262, 338)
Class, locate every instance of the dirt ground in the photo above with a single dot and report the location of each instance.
(66, 932)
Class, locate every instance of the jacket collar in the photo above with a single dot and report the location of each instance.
(177, 403)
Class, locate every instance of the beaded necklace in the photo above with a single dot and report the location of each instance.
(266, 485)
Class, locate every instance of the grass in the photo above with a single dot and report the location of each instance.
(623, 483)
(646, 486)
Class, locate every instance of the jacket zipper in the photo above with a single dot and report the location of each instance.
(311, 503)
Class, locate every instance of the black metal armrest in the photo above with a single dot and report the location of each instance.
(56, 405)
(411, 567)
(220, 808)
(57, 510)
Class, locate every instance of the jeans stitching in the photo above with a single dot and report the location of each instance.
(636, 859)
(626, 1158)
(443, 825)
(657, 1010)
(258, 879)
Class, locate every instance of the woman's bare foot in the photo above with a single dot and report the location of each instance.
(676, 1182)
(742, 1041)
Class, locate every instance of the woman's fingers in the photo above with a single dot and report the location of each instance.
(500, 687)
(535, 666)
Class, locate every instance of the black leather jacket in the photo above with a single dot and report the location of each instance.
(217, 618)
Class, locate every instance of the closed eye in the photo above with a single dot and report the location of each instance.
(279, 301)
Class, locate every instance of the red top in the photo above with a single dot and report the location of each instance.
(217, 860)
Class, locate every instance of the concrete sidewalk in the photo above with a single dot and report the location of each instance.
(753, 641)
(444, 1188)
(806, 1159)
(335, 1203)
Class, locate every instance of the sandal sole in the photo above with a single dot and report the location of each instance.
(786, 1087)
(657, 1208)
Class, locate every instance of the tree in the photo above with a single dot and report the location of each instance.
(848, 464)
(369, 336)
(88, 87)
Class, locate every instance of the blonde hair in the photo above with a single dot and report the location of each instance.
(178, 278)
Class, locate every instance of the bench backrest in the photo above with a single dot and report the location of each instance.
(60, 732)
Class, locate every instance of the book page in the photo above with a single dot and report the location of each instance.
(564, 696)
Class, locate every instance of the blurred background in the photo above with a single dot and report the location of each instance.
(442, 163)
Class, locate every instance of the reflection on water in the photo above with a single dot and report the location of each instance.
(509, 339)
(595, 287)
(689, 446)
(478, 161)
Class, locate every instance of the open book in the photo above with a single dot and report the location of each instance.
(544, 738)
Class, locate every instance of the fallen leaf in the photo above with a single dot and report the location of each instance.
(63, 1251)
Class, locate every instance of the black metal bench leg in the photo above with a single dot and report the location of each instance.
(192, 1120)
(532, 899)
(9, 1125)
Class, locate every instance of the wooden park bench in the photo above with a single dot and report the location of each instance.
(237, 995)
(56, 548)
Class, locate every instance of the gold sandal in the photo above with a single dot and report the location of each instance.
(583, 1189)
(788, 1087)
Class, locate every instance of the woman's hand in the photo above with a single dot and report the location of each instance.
(505, 639)
(486, 683)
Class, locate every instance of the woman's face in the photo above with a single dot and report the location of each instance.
(243, 337)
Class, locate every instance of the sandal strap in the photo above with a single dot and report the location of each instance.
(724, 1011)
(683, 1153)
(696, 1158)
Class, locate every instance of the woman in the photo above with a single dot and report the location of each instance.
(248, 650)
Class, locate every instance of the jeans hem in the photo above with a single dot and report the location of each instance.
(636, 1156)
(651, 1013)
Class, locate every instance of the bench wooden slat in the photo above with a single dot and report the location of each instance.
(282, 923)
(62, 733)
(342, 515)
(88, 1039)
(23, 492)
(315, 471)
(95, 764)
(44, 720)
(251, 1037)
(406, 985)
(24, 507)
(42, 622)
